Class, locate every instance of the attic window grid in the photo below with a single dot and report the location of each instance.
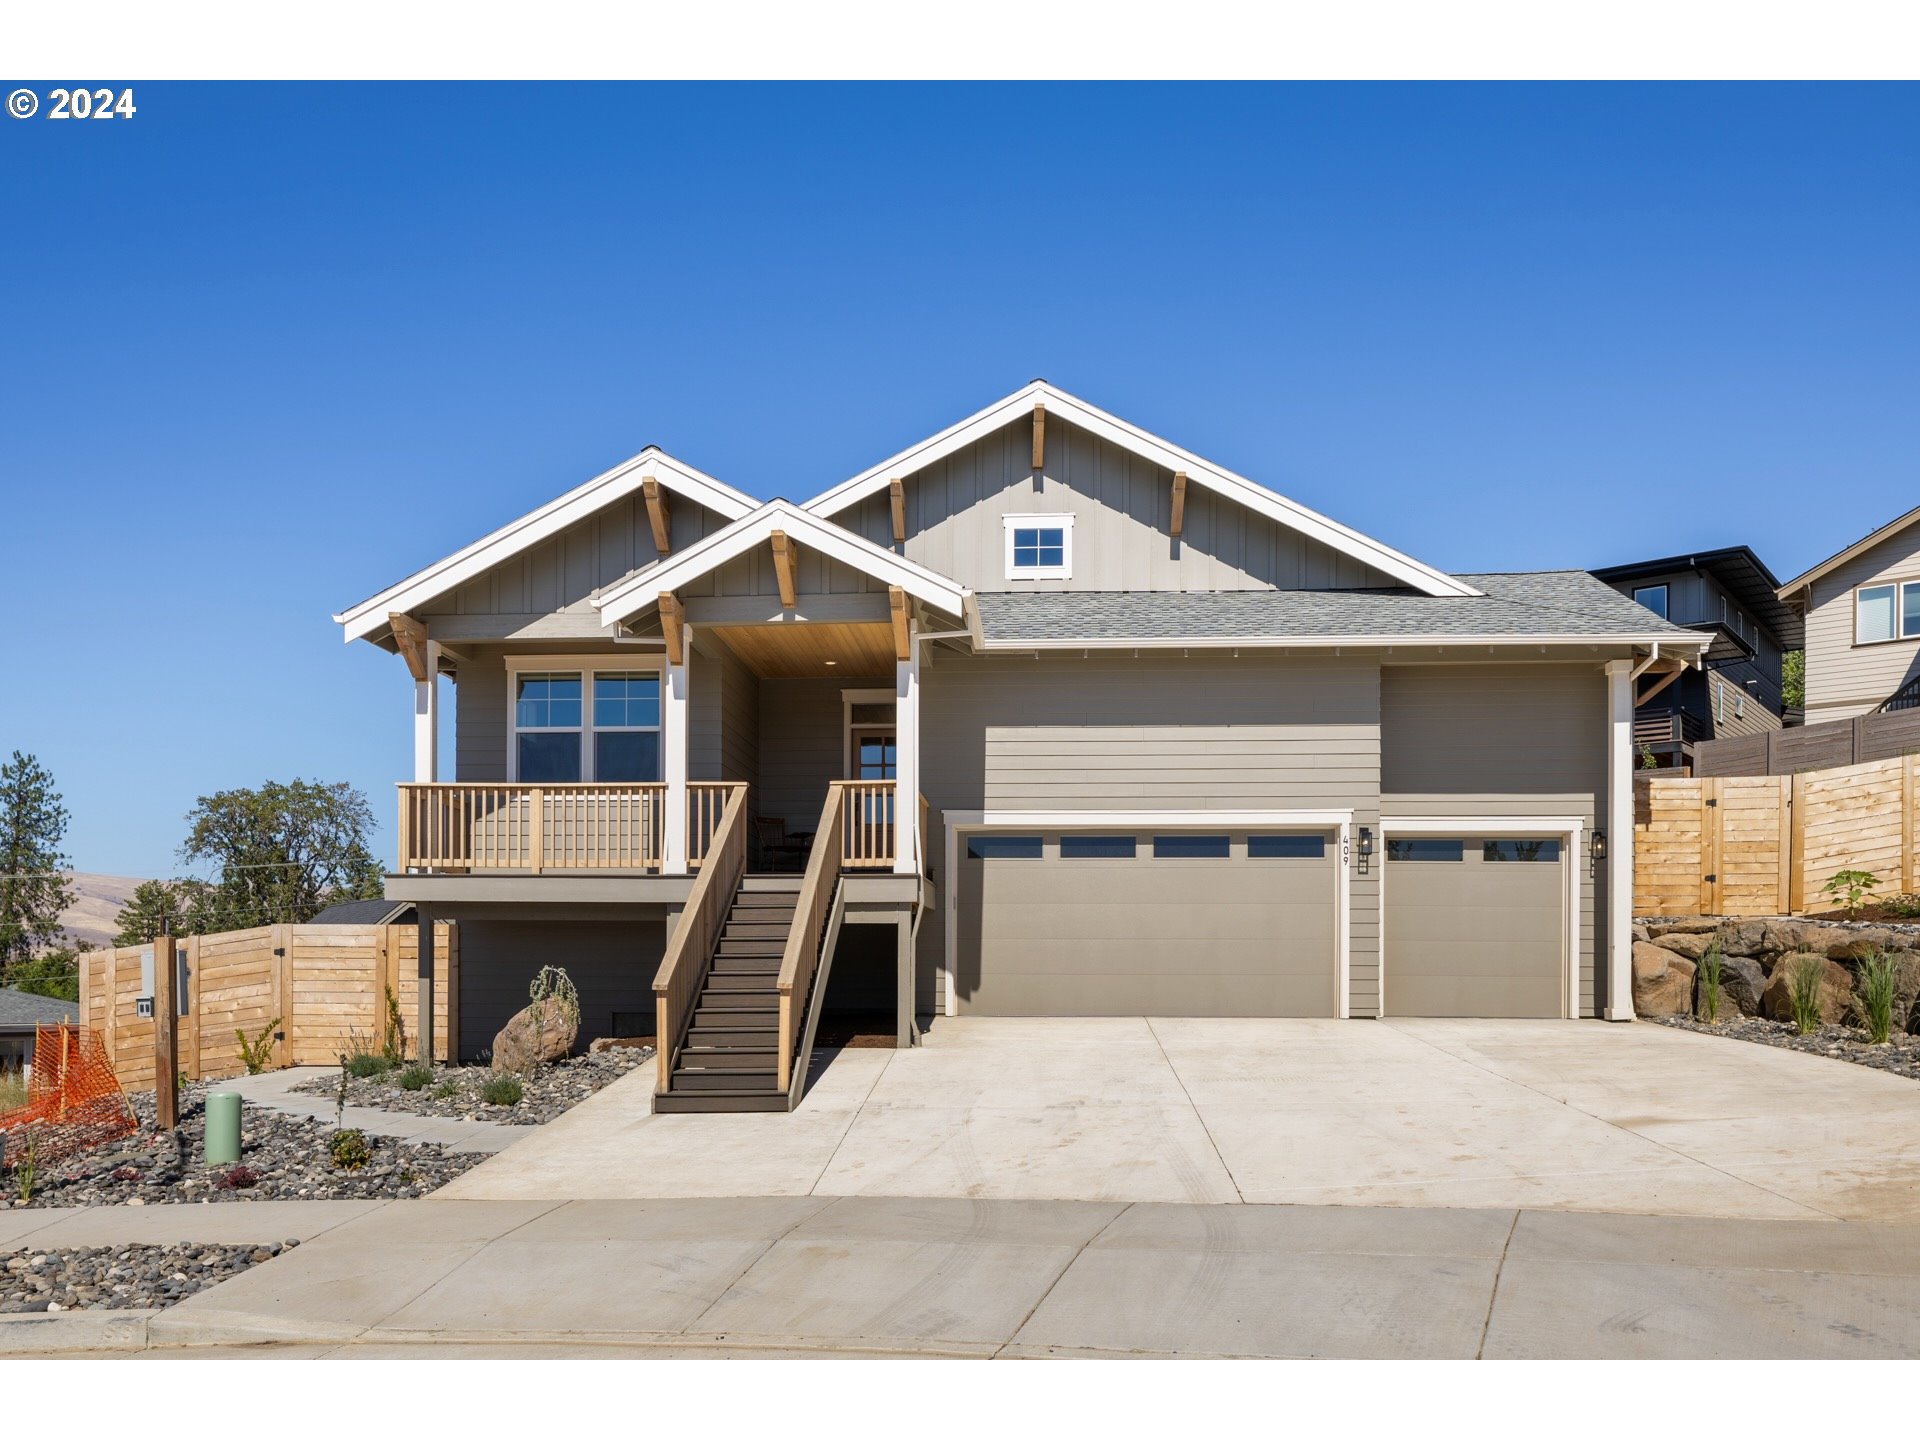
(1039, 547)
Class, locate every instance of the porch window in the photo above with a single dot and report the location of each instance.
(626, 726)
(577, 725)
(1039, 547)
(547, 728)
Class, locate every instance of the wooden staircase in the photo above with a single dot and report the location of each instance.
(729, 1059)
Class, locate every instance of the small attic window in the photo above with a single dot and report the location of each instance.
(1039, 547)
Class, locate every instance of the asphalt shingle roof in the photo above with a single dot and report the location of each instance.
(361, 912)
(21, 1011)
(1547, 602)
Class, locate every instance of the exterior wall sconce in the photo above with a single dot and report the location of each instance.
(1598, 851)
(1366, 847)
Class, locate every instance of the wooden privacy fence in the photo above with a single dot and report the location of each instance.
(1766, 844)
(324, 983)
(1820, 746)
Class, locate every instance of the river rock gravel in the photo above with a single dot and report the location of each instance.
(454, 1091)
(1899, 1056)
(120, 1277)
(282, 1157)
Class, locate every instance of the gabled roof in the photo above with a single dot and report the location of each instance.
(1150, 447)
(1537, 608)
(1860, 546)
(1743, 574)
(365, 912)
(624, 479)
(20, 1010)
(635, 592)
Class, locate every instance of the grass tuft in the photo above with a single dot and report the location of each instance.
(502, 1090)
(1804, 982)
(1877, 977)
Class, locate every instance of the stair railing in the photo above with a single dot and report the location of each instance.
(802, 955)
(683, 970)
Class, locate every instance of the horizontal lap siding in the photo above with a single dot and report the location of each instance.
(1500, 740)
(1844, 679)
(1155, 732)
(480, 718)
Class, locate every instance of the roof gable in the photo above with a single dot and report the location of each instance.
(370, 616)
(1255, 497)
(1853, 551)
(638, 591)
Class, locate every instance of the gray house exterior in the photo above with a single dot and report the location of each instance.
(1043, 715)
(1862, 612)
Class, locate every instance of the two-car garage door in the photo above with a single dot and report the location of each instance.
(1139, 923)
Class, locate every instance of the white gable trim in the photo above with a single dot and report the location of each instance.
(549, 520)
(629, 596)
(1151, 447)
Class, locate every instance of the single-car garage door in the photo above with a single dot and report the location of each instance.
(1475, 926)
(1181, 923)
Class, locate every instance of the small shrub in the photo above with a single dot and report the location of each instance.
(1710, 983)
(414, 1077)
(350, 1150)
(445, 1090)
(27, 1168)
(1648, 760)
(1877, 977)
(256, 1054)
(364, 1066)
(240, 1177)
(1803, 991)
(1903, 907)
(393, 1036)
(1851, 887)
(502, 1090)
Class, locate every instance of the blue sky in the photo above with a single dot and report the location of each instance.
(269, 348)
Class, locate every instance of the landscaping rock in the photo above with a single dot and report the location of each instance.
(1640, 933)
(1743, 937)
(454, 1092)
(619, 1042)
(542, 1032)
(1836, 988)
(1900, 1057)
(1742, 982)
(1662, 981)
(1683, 925)
(120, 1277)
(1690, 943)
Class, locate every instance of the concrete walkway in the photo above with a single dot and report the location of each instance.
(274, 1091)
(1509, 1115)
(807, 1274)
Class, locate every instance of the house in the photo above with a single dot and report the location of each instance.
(1731, 597)
(1861, 608)
(1054, 718)
(365, 912)
(20, 1014)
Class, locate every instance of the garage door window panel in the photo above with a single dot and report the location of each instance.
(1286, 847)
(1523, 852)
(1098, 847)
(1191, 847)
(1003, 847)
(1427, 852)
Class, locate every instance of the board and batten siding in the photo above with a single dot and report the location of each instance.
(1518, 740)
(1157, 732)
(1845, 679)
(1122, 508)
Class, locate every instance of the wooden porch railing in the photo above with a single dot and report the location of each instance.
(706, 802)
(865, 824)
(690, 950)
(530, 828)
(802, 956)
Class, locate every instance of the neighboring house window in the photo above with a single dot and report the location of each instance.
(1039, 547)
(1886, 612)
(559, 738)
(1719, 704)
(1654, 597)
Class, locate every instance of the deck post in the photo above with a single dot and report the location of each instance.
(906, 741)
(423, 970)
(1619, 826)
(426, 720)
(674, 715)
(905, 1030)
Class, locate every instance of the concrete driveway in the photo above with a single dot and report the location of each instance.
(1538, 1115)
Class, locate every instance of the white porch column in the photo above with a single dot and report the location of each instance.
(673, 736)
(1618, 822)
(906, 742)
(426, 720)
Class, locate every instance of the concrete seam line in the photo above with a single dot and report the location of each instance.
(1601, 1119)
(853, 1116)
(755, 1258)
(1493, 1295)
(1052, 1285)
(1205, 1129)
(458, 1266)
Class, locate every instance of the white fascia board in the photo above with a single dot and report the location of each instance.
(1347, 642)
(1806, 579)
(628, 597)
(550, 519)
(1168, 456)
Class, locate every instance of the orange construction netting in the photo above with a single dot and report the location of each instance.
(74, 1100)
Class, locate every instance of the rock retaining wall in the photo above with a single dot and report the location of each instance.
(1757, 956)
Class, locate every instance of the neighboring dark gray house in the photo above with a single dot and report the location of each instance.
(365, 912)
(1730, 595)
(19, 1014)
(1043, 715)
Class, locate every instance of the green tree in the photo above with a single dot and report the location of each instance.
(1793, 679)
(283, 853)
(182, 903)
(54, 973)
(33, 889)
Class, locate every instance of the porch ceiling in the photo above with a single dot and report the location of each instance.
(811, 650)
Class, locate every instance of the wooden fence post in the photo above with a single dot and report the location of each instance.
(280, 939)
(1796, 877)
(423, 995)
(166, 1035)
(1907, 763)
(1783, 888)
(450, 1006)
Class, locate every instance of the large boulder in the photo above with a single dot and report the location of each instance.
(1683, 925)
(1690, 943)
(544, 1031)
(1662, 981)
(1743, 937)
(1836, 988)
(1742, 982)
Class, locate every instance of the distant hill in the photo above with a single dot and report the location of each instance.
(93, 917)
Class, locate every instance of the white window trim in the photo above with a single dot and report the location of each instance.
(1062, 571)
(849, 699)
(1899, 588)
(586, 666)
(1666, 604)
